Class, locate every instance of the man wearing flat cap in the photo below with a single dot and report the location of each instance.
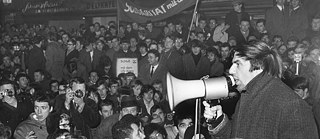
(129, 105)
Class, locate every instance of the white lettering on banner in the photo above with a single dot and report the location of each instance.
(125, 65)
(44, 5)
(152, 12)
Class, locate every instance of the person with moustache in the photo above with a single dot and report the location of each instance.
(267, 108)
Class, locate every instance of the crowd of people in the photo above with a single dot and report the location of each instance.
(57, 83)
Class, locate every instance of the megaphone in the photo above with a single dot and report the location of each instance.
(212, 88)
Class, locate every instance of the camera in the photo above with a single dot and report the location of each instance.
(297, 57)
(6, 92)
(79, 94)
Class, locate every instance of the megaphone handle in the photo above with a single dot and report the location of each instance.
(213, 102)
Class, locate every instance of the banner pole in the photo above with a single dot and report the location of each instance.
(193, 16)
(118, 18)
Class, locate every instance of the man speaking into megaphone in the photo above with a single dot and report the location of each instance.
(267, 109)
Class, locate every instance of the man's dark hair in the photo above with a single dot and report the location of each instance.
(20, 75)
(77, 80)
(43, 97)
(155, 52)
(212, 50)
(40, 71)
(153, 127)
(122, 129)
(146, 89)
(106, 102)
(263, 21)
(154, 108)
(5, 81)
(142, 44)
(54, 81)
(299, 82)
(261, 56)
(113, 81)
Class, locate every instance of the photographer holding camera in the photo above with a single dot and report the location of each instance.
(83, 111)
(12, 110)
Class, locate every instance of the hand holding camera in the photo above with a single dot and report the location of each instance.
(6, 92)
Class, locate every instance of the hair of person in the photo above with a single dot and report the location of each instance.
(54, 81)
(37, 39)
(261, 56)
(93, 71)
(106, 102)
(154, 108)
(130, 74)
(178, 117)
(112, 27)
(77, 80)
(73, 41)
(57, 133)
(263, 21)
(122, 129)
(52, 36)
(142, 44)
(171, 37)
(20, 75)
(299, 82)
(277, 36)
(212, 50)
(146, 88)
(113, 81)
(152, 127)
(40, 96)
(245, 20)
(136, 82)
(293, 38)
(195, 43)
(155, 52)
(225, 45)
(102, 82)
(157, 82)
(41, 71)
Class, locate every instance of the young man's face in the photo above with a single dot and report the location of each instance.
(244, 26)
(277, 42)
(125, 46)
(54, 87)
(240, 72)
(93, 77)
(153, 60)
(212, 23)
(201, 37)
(133, 42)
(211, 57)
(168, 43)
(106, 111)
(158, 87)
(183, 125)
(196, 50)
(113, 88)
(42, 110)
(225, 52)
(260, 27)
(158, 115)
(148, 96)
(23, 82)
(202, 24)
(102, 90)
(292, 44)
(38, 77)
(137, 132)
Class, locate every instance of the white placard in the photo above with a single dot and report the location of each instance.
(125, 65)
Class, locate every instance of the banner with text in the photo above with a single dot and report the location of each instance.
(125, 65)
(131, 12)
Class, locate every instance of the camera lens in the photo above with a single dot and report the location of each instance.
(79, 94)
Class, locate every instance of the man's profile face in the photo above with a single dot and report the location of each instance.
(240, 72)
(137, 132)
(130, 110)
(106, 111)
(183, 125)
(42, 110)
